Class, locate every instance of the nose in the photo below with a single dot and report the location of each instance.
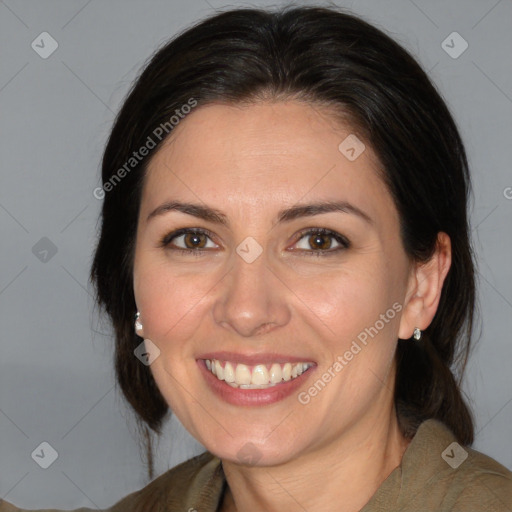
(252, 300)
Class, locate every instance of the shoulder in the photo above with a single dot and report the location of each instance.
(182, 487)
(5, 506)
(453, 477)
(482, 483)
(191, 484)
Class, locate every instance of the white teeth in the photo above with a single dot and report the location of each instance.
(276, 374)
(219, 371)
(229, 373)
(260, 375)
(287, 372)
(242, 374)
(255, 377)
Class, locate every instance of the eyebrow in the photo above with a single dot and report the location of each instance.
(287, 215)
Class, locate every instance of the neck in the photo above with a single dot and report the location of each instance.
(360, 460)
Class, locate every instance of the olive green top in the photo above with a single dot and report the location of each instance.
(436, 474)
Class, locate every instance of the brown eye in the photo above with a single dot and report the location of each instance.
(320, 241)
(189, 240)
(194, 240)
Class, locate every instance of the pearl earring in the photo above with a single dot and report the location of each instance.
(417, 334)
(138, 324)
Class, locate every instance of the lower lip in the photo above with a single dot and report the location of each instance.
(253, 397)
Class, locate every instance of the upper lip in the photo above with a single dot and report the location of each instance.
(254, 359)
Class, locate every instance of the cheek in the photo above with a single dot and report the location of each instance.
(363, 340)
(171, 304)
(351, 301)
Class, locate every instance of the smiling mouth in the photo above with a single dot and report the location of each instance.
(259, 376)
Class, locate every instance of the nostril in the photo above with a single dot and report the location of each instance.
(264, 328)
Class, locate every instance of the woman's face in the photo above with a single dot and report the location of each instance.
(262, 285)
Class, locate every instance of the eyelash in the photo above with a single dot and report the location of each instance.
(344, 242)
(166, 240)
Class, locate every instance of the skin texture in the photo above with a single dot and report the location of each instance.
(250, 162)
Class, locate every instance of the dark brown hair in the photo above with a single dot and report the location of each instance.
(324, 56)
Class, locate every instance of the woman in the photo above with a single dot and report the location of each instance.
(285, 258)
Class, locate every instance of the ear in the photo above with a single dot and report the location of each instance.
(424, 288)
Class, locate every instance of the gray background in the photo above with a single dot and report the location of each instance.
(56, 367)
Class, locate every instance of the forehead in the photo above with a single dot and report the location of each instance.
(264, 155)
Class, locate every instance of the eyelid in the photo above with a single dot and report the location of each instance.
(166, 240)
(341, 239)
